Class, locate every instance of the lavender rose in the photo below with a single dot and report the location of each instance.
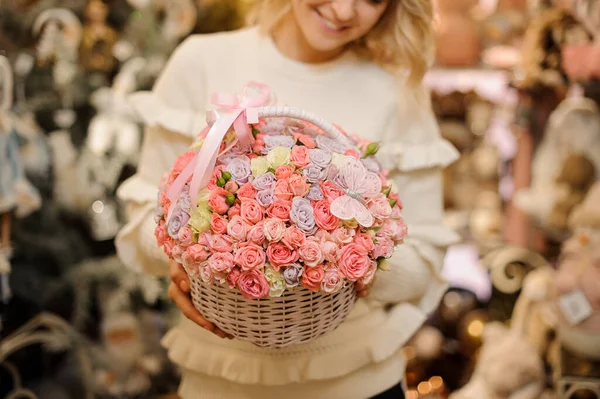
(302, 215)
(239, 167)
(185, 202)
(292, 275)
(265, 197)
(330, 145)
(313, 173)
(320, 157)
(265, 181)
(176, 222)
(315, 193)
(277, 141)
(240, 149)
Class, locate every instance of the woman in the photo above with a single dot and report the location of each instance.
(357, 63)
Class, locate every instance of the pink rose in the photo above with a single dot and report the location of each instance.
(182, 161)
(305, 139)
(283, 172)
(300, 156)
(256, 233)
(250, 256)
(218, 224)
(234, 210)
(206, 273)
(280, 255)
(310, 253)
(342, 235)
(369, 275)
(354, 262)
(380, 207)
(185, 236)
(205, 239)
(332, 281)
(221, 263)
(283, 190)
(247, 191)
(293, 237)
(384, 248)
(196, 253)
(396, 230)
(168, 246)
(298, 185)
(331, 251)
(221, 243)
(280, 209)
(231, 187)
(233, 277)
(258, 146)
(312, 277)
(274, 229)
(330, 190)
(176, 253)
(217, 201)
(253, 285)
(237, 229)
(323, 216)
(352, 153)
(251, 212)
(364, 241)
(162, 234)
(396, 212)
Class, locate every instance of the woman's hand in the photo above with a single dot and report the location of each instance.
(361, 289)
(179, 290)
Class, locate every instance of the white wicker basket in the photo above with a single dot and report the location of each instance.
(298, 316)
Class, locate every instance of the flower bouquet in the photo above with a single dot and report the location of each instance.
(275, 214)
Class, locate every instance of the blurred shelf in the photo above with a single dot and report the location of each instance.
(492, 84)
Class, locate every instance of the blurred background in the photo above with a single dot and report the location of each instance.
(515, 88)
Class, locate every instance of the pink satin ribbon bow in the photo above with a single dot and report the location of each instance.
(232, 110)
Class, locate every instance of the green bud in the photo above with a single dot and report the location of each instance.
(226, 175)
(220, 181)
(372, 149)
(230, 199)
(393, 203)
(386, 191)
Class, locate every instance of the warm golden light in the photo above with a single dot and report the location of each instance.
(436, 382)
(412, 394)
(424, 388)
(475, 328)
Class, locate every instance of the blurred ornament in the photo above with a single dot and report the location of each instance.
(98, 39)
(455, 26)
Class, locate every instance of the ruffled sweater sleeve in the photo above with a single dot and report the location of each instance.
(416, 154)
(173, 114)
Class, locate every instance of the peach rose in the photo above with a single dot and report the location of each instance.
(168, 247)
(218, 224)
(283, 172)
(352, 153)
(206, 273)
(383, 249)
(251, 212)
(323, 216)
(331, 251)
(300, 156)
(354, 262)
(237, 229)
(330, 190)
(342, 235)
(256, 233)
(217, 202)
(182, 161)
(274, 229)
(332, 281)
(253, 284)
(250, 256)
(176, 253)
(280, 209)
(280, 255)
(185, 236)
(196, 253)
(369, 275)
(247, 191)
(312, 277)
(305, 140)
(293, 237)
(364, 241)
(221, 243)
(310, 253)
(231, 186)
(233, 276)
(162, 235)
(221, 263)
(298, 185)
(283, 190)
(380, 207)
(234, 210)
(205, 239)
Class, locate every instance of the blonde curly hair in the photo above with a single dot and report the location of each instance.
(401, 42)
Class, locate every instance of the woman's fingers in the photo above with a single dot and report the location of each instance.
(179, 276)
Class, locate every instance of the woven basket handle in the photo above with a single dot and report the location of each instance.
(296, 113)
